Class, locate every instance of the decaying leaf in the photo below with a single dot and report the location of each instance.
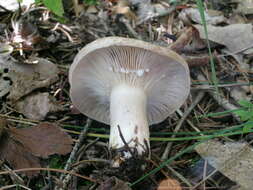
(200, 169)
(231, 159)
(169, 184)
(22, 147)
(244, 6)
(15, 153)
(26, 78)
(123, 8)
(192, 14)
(236, 37)
(240, 93)
(188, 41)
(43, 140)
(114, 184)
(17, 156)
(37, 106)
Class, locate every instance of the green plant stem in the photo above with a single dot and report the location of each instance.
(202, 14)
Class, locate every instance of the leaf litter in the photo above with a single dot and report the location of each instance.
(39, 47)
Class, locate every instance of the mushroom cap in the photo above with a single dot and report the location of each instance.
(111, 61)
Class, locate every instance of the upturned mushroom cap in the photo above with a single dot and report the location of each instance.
(111, 61)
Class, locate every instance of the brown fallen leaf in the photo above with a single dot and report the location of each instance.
(37, 105)
(15, 153)
(169, 184)
(123, 8)
(43, 140)
(188, 41)
(25, 78)
(20, 147)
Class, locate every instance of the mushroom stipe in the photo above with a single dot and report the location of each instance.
(129, 84)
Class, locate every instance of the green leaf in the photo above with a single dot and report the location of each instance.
(246, 104)
(38, 2)
(244, 115)
(55, 6)
(247, 126)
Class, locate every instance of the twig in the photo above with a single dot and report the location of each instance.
(188, 121)
(178, 175)
(48, 169)
(181, 177)
(181, 121)
(210, 87)
(6, 10)
(130, 29)
(72, 156)
(185, 115)
(124, 141)
(68, 177)
(15, 185)
(15, 177)
(221, 100)
(77, 145)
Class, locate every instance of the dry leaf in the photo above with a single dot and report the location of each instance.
(192, 14)
(26, 78)
(188, 41)
(21, 146)
(15, 153)
(17, 156)
(169, 184)
(244, 6)
(43, 140)
(231, 159)
(123, 8)
(236, 37)
(37, 106)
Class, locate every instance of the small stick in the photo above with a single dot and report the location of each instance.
(124, 141)
(221, 100)
(47, 169)
(72, 156)
(130, 29)
(181, 121)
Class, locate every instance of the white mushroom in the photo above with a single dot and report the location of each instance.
(129, 84)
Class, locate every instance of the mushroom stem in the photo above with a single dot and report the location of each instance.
(129, 118)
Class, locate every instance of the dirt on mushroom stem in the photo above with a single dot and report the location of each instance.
(131, 168)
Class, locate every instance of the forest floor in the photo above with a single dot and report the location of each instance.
(46, 143)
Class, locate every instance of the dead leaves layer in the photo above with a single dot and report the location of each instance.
(22, 147)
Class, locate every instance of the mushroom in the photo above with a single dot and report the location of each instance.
(129, 84)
